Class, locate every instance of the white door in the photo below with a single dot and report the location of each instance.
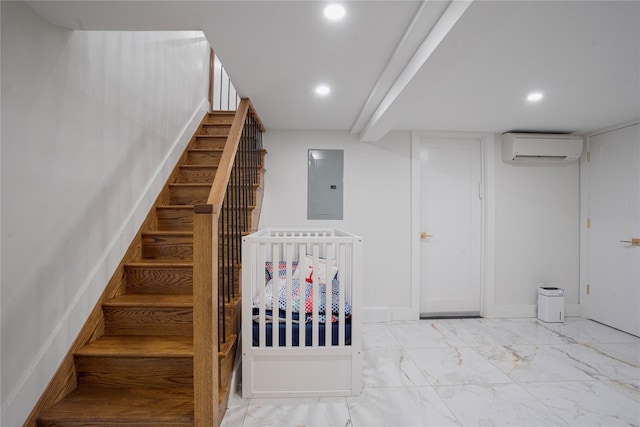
(450, 255)
(614, 265)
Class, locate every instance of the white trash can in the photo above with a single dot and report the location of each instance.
(551, 304)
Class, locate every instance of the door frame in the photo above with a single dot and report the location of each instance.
(585, 213)
(487, 220)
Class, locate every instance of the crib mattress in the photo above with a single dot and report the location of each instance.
(295, 340)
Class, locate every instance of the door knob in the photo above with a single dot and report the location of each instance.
(634, 241)
(424, 235)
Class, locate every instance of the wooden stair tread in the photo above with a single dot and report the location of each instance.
(227, 346)
(243, 184)
(167, 233)
(190, 207)
(154, 263)
(181, 207)
(151, 300)
(199, 167)
(139, 346)
(94, 406)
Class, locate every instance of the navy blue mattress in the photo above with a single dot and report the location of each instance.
(296, 332)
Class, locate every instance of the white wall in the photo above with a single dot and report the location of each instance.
(377, 205)
(533, 220)
(92, 124)
(537, 235)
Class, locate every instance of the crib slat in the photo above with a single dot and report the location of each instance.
(289, 296)
(328, 295)
(315, 328)
(342, 284)
(262, 329)
(275, 280)
(302, 330)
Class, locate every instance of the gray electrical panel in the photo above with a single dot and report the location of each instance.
(324, 181)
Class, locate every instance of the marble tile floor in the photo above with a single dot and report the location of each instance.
(475, 372)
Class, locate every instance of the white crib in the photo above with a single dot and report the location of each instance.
(288, 347)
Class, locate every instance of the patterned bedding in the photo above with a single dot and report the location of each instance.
(307, 301)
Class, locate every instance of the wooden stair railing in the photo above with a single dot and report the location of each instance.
(211, 286)
(151, 353)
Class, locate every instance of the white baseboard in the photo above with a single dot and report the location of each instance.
(386, 314)
(400, 314)
(376, 314)
(572, 310)
(23, 397)
(529, 310)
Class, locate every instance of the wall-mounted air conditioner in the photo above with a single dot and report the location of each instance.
(540, 148)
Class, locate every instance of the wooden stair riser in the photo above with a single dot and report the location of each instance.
(166, 280)
(232, 239)
(180, 218)
(226, 267)
(134, 371)
(232, 305)
(175, 218)
(229, 270)
(243, 200)
(249, 172)
(244, 223)
(249, 228)
(204, 157)
(234, 205)
(220, 117)
(167, 245)
(231, 286)
(246, 182)
(241, 205)
(189, 194)
(196, 174)
(125, 407)
(226, 358)
(232, 313)
(192, 193)
(235, 293)
(206, 142)
(237, 213)
(127, 320)
(216, 129)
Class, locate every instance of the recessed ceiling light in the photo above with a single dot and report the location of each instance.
(323, 90)
(534, 97)
(334, 12)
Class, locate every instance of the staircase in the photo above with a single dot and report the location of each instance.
(139, 371)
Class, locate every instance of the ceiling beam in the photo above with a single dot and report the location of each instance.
(376, 127)
(420, 26)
